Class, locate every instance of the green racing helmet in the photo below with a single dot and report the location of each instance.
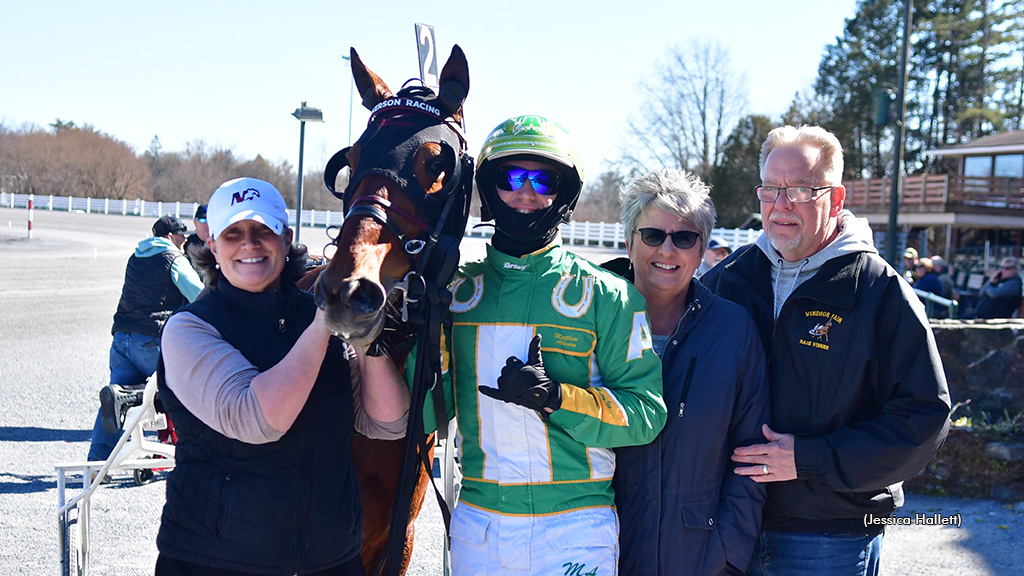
(529, 138)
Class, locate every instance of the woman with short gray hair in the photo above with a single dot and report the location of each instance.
(672, 191)
(706, 519)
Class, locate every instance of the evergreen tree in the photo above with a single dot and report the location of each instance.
(734, 179)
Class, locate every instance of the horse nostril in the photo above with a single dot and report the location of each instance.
(365, 296)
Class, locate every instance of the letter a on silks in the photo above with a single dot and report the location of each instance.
(640, 338)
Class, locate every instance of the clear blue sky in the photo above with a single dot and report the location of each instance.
(231, 72)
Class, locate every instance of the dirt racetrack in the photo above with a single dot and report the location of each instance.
(58, 292)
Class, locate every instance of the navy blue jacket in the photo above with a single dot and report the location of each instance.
(855, 376)
(285, 507)
(681, 508)
(929, 283)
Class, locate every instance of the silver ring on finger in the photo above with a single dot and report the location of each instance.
(764, 469)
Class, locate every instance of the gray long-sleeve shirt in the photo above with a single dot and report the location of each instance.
(212, 380)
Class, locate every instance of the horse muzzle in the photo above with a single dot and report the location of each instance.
(354, 311)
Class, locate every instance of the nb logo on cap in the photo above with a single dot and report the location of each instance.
(247, 194)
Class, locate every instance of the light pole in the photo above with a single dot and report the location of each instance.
(900, 134)
(304, 114)
(351, 90)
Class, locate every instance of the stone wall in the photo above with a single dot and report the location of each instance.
(984, 363)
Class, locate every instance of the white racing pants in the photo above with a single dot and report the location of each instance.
(578, 543)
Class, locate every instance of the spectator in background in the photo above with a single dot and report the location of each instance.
(200, 237)
(942, 271)
(1001, 296)
(909, 262)
(157, 281)
(925, 277)
(717, 251)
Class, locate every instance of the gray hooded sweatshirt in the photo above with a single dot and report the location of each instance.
(854, 236)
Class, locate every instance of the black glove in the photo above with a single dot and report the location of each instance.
(527, 384)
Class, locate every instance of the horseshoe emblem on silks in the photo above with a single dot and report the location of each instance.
(459, 306)
(581, 307)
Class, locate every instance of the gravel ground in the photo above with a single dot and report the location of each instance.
(58, 292)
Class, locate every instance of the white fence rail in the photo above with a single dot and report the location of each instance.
(609, 234)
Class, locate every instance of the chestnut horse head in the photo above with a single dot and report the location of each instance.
(406, 202)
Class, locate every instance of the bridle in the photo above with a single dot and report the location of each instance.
(397, 128)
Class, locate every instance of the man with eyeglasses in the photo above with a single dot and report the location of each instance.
(1001, 295)
(859, 399)
(549, 365)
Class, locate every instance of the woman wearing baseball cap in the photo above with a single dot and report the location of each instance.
(264, 403)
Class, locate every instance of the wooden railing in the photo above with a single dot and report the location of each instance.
(918, 191)
(1005, 193)
(939, 193)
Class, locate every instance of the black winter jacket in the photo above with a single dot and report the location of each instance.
(855, 375)
(681, 508)
(285, 507)
(149, 296)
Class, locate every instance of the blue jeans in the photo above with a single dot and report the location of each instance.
(133, 359)
(794, 554)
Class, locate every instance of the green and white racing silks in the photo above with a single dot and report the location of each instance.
(596, 341)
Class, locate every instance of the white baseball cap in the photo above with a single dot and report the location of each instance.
(246, 199)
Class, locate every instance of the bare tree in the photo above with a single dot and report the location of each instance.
(599, 200)
(71, 161)
(687, 113)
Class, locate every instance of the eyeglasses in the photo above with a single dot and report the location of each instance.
(795, 194)
(655, 237)
(544, 182)
(1008, 267)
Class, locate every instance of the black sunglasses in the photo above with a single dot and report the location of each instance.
(655, 237)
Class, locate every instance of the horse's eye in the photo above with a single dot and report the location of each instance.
(436, 165)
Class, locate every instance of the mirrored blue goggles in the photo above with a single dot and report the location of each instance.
(543, 182)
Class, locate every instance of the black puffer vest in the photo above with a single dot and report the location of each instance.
(285, 507)
(149, 296)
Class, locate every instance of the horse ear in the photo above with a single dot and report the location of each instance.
(454, 81)
(371, 88)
